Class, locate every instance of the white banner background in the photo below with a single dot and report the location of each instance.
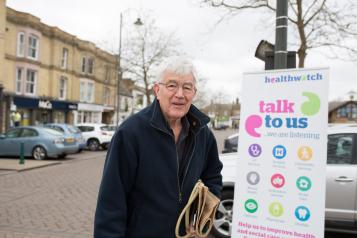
(280, 182)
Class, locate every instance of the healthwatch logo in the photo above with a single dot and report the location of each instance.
(309, 107)
(293, 78)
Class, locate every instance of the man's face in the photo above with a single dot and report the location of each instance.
(175, 94)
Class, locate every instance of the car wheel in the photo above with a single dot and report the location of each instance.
(222, 224)
(39, 153)
(93, 144)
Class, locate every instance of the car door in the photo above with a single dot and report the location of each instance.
(341, 178)
(30, 137)
(8, 145)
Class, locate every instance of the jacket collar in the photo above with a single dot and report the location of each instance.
(195, 117)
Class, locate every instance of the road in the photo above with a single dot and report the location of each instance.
(57, 201)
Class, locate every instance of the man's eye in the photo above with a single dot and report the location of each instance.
(188, 87)
(171, 85)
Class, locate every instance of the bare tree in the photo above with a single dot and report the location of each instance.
(318, 23)
(145, 48)
(202, 96)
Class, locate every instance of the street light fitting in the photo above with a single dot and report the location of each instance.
(263, 47)
(138, 22)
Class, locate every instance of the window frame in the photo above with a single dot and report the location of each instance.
(83, 65)
(34, 48)
(20, 49)
(19, 81)
(64, 59)
(64, 89)
(106, 96)
(34, 83)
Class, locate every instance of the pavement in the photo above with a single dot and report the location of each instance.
(51, 202)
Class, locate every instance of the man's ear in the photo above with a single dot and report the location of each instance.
(156, 89)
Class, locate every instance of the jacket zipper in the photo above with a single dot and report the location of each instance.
(177, 161)
(189, 162)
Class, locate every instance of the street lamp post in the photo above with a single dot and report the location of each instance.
(138, 22)
(280, 52)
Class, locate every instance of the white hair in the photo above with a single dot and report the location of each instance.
(178, 65)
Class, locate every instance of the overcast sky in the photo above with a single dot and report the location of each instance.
(221, 54)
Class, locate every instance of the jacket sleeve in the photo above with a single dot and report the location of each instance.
(117, 181)
(211, 175)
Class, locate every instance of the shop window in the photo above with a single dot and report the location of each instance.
(64, 58)
(32, 47)
(30, 82)
(62, 87)
(21, 44)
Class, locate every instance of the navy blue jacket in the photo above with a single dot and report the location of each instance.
(140, 194)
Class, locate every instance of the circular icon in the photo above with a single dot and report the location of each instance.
(253, 178)
(304, 153)
(279, 152)
(277, 180)
(302, 213)
(303, 183)
(276, 209)
(251, 206)
(255, 150)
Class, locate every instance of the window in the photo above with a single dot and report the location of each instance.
(349, 111)
(32, 47)
(90, 65)
(62, 87)
(83, 64)
(107, 73)
(82, 91)
(21, 44)
(339, 149)
(19, 75)
(342, 112)
(28, 133)
(139, 100)
(106, 96)
(30, 82)
(64, 58)
(86, 91)
(13, 133)
(90, 92)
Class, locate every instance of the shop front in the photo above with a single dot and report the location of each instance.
(93, 113)
(35, 111)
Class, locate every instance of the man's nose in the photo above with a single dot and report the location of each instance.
(179, 92)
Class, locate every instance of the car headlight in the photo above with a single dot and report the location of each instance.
(58, 141)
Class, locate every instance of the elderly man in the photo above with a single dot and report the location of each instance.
(155, 159)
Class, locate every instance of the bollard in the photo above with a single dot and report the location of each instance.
(22, 153)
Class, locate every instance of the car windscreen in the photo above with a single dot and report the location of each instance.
(74, 129)
(52, 132)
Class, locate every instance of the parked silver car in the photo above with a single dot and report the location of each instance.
(341, 184)
(39, 142)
